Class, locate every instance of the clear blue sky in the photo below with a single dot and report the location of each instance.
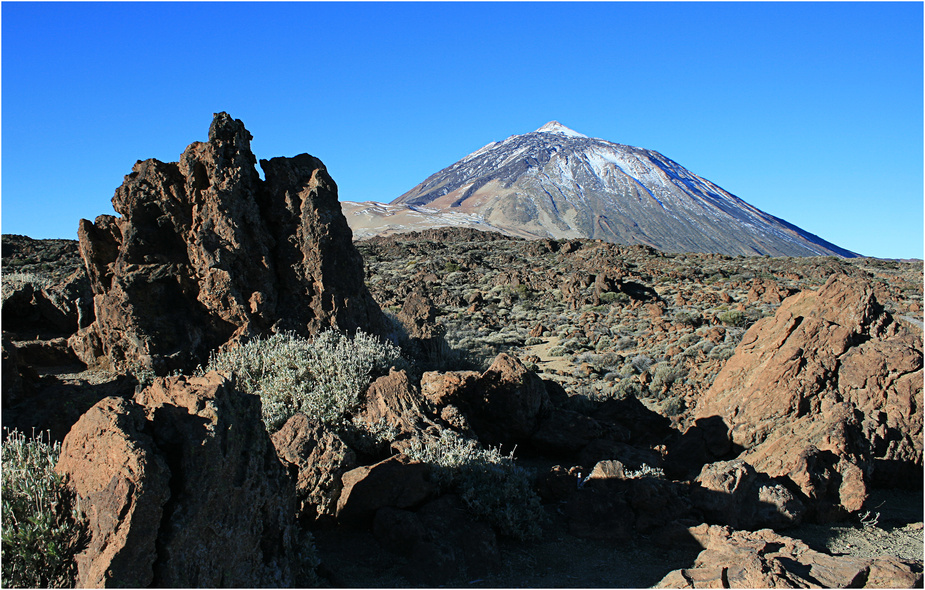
(812, 112)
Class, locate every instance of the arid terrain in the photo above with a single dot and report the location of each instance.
(496, 294)
(244, 396)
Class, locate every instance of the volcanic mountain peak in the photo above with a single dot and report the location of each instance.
(558, 183)
(557, 127)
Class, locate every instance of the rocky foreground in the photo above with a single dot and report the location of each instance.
(699, 406)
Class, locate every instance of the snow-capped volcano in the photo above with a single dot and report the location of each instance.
(556, 182)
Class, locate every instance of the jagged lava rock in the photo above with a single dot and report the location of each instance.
(395, 402)
(182, 488)
(733, 493)
(206, 253)
(826, 393)
(503, 405)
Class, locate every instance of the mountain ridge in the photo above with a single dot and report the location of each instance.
(558, 183)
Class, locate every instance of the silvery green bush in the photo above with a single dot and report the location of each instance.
(16, 280)
(322, 377)
(41, 525)
(492, 485)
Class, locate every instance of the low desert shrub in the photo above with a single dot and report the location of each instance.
(615, 297)
(645, 470)
(624, 343)
(322, 377)
(664, 374)
(16, 280)
(492, 485)
(732, 317)
(641, 362)
(686, 318)
(722, 352)
(42, 528)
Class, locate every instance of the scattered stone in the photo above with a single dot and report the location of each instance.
(764, 559)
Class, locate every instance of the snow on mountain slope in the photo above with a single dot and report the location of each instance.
(556, 182)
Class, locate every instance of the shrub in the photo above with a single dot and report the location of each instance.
(624, 343)
(664, 374)
(42, 527)
(645, 470)
(722, 352)
(17, 280)
(628, 387)
(615, 297)
(323, 377)
(492, 485)
(732, 317)
(686, 318)
(641, 362)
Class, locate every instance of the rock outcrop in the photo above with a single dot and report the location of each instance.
(503, 405)
(317, 458)
(828, 394)
(122, 481)
(764, 559)
(398, 482)
(733, 493)
(183, 489)
(205, 253)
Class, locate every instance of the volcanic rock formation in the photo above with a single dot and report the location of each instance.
(206, 253)
(182, 488)
(827, 393)
(764, 559)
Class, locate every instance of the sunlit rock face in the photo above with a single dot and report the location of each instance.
(205, 253)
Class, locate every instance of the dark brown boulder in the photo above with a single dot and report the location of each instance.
(464, 548)
(512, 402)
(317, 458)
(565, 432)
(399, 482)
(418, 316)
(205, 253)
(14, 389)
(55, 310)
(393, 401)
(122, 483)
(398, 530)
(503, 405)
(230, 517)
(449, 388)
(182, 488)
(600, 511)
(734, 494)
